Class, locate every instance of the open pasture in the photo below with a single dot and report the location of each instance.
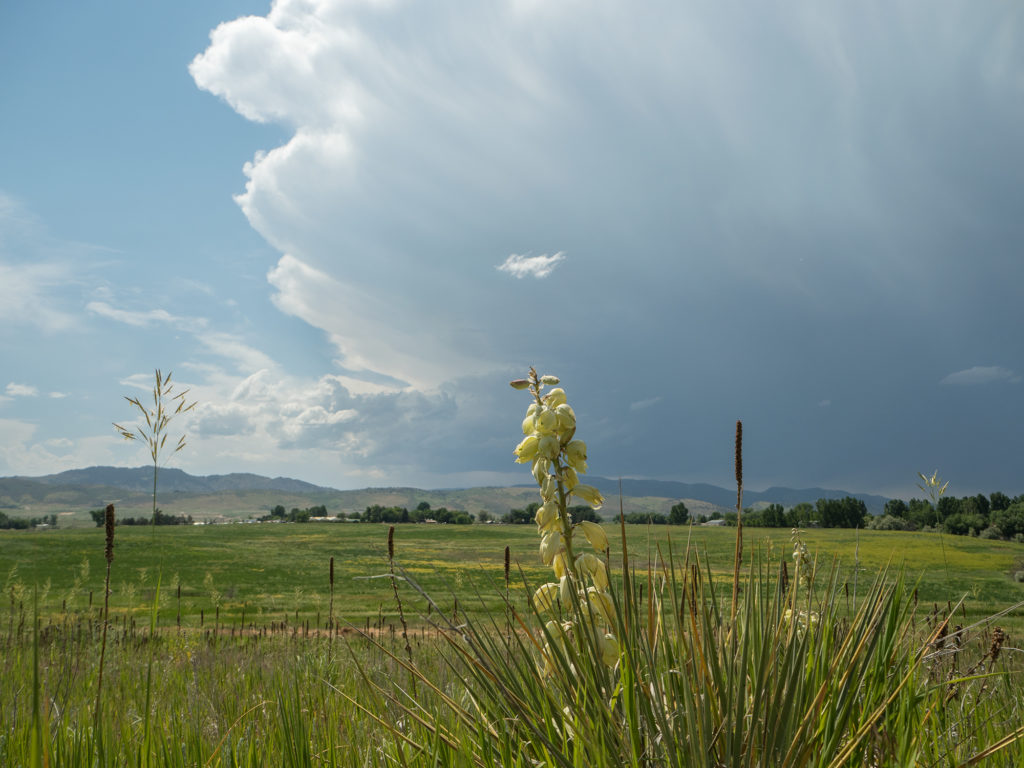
(280, 572)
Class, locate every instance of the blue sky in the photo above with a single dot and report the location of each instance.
(347, 224)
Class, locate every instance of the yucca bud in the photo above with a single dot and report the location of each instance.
(554, 398)
(569, 478)
(529, 425)
(540, 469)
(549, 380)
(519, 384)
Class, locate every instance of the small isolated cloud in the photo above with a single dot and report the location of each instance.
(520, 266)
(981, 374)
(640, 405)
(57, 395)
(21, 390)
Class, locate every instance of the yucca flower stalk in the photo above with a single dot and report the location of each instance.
(579, 601)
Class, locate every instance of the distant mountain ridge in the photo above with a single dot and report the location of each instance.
(174, 480)
(140, 480)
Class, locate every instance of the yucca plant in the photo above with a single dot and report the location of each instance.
(765, 670)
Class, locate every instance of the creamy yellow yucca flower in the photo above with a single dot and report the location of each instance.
(549, 487)
(550, 545)
(547, 447)
(601, 604)
(547, 516)
(589, 494)
(527, 449)
(544, 597)
(554, 398)
(576, 455)
(595, 535)
(565, 418)
(609, 650)
(547, 421)
(557, 459)
(565, 586)
(588, 563)
(559, 565)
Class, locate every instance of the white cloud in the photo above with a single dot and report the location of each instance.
(57, 395)
(21, 390)
(981, 374)
(531, 266)
(144, 318)
(22, 453)
(641, 405)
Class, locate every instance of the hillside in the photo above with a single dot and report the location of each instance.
(73, 493)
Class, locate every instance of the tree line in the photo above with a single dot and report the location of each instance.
(24, 523)
(159, 518)
(422, 514)
(996, 516)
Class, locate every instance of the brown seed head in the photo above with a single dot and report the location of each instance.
(332, 571)
(108, 519)
(507, 558)
(391, 543)
(739, 453)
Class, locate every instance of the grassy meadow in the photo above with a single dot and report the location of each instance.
(273, 571)
(463, 692)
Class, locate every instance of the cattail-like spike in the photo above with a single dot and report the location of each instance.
(108, 519)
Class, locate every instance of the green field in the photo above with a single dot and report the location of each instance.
(276, 572)
(283, 693)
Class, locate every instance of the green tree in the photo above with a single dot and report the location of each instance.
(679, 514)
(921, 513)
(800, 515)
(896, 508)
(998, 501)
(774, 516)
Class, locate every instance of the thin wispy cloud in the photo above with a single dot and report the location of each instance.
(520, 266)
(21, 390)
(641, 405)
(144, 318)
(981, 374)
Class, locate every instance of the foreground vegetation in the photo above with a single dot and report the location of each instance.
(665, 653)
(282, 694)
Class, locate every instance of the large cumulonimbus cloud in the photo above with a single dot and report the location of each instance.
(787, 187)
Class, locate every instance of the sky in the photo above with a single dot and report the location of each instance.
(345, 225)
